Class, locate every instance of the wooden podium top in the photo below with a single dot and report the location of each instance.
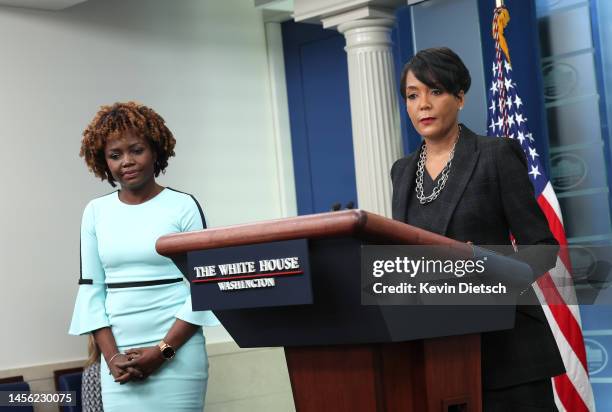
(347, 223)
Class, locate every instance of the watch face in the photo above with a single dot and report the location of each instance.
(168, 352)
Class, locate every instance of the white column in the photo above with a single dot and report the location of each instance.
(374, 109)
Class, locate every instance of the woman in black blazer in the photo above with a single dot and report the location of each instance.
(476, 189)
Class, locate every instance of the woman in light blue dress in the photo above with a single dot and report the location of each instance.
(134, 301)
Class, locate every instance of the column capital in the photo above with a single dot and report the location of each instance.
(381, 23)
(362, 17)
(332, 13)
(366, 33)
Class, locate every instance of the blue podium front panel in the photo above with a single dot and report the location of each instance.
(250, 276)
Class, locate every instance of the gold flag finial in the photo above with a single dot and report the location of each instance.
(502, 18)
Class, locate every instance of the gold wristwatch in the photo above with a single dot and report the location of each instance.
(166, 350)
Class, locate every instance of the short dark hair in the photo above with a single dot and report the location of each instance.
(438, 67)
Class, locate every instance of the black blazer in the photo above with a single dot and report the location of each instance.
(488, 194)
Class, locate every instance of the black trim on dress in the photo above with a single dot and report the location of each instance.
(81, 280)
(118, 285)
(197, 204)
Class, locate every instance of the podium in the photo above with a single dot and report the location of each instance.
(342, 355)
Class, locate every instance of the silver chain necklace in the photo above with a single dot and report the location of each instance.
(443, 175)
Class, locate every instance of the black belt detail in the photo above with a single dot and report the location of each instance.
(142, 283)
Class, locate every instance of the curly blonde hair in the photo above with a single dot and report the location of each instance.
(111, 122)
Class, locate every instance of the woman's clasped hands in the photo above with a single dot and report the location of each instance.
(135, 364)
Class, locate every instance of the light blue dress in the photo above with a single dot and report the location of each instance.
(118, 246)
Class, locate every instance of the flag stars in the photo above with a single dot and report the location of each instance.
(506, 118)
(494, 88)
(507, 66)
(511, 121)
(518, 102)
(500, 122)
(535, 172)
(533, 153)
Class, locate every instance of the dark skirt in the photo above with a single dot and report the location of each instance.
(528, 397)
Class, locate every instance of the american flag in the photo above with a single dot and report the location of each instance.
(506, 117)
